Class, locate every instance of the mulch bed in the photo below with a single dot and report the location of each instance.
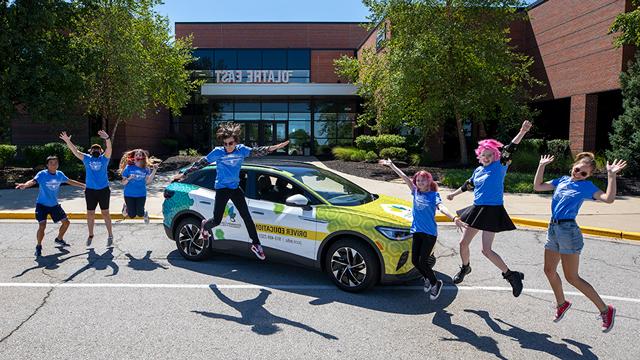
(626, 186)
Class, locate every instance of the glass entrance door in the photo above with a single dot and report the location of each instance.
(264, 133)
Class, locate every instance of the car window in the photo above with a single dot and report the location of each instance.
(277, 189)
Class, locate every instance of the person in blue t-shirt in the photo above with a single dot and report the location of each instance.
(424, 230)
(137, 173)
(97, 192)
(49, 181)
(564, 238)
(487, 214)
(229, 159)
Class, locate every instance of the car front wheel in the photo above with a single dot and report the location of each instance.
(352, 265)
(188, 241)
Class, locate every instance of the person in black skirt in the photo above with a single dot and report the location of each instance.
(487, 212)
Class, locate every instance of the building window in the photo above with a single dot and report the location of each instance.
(381, 36)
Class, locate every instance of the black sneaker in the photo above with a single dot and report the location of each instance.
(61, 242)
(427, 286)
(515, 279)
(38, 250)
(464, 271)
(435, 290)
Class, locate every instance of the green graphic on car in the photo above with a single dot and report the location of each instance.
(305, 216)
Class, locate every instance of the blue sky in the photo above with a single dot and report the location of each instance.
(264, 10)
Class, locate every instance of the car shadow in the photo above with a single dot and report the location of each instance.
(254, 314)
(315, 284)
(534, 340)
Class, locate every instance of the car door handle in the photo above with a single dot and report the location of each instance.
(312, 220)
(205, 202)
(257, 212)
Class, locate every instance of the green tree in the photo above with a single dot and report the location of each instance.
(628, 24)
(135, 64)
(39, 69)
(625, 138)
(446, 60)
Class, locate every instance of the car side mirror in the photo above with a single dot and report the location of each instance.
(298, 201)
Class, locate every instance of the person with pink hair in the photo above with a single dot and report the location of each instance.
(424, 230)
(487, 214)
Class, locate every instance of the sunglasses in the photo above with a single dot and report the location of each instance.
(583, 173)
(229, 143)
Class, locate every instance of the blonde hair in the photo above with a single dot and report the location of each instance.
(128, 158)
(586, 158)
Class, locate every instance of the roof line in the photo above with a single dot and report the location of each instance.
(271, 22)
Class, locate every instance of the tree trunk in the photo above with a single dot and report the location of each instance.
(113, 131)
(462, 141)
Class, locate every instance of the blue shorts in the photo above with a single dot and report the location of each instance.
(56, 213)
(564, 238)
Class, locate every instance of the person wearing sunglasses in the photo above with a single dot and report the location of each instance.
(229, 159)
(137, 173)
(564, 238)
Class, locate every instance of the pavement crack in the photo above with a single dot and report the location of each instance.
(35, 311)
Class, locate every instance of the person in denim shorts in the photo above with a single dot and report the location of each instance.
(564, 238)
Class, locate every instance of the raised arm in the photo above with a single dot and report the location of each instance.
(150, 177)
(538, 181)
(400, 173)
(524, 129)
(509, 149)
(107, 140)
(612, 170)
(264, 150)
(194, 167)
(468, 185)
(27, 184)
(67, 140)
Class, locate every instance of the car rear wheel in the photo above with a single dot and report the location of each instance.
(352, 265)
(188, 241)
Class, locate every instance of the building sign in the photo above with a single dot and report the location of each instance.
(253, 76)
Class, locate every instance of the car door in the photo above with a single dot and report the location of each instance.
(290, 229)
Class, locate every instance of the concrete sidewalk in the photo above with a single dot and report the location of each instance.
(623, 215)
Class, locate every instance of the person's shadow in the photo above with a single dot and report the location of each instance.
(98, 262)
(253, 313)
(535, 340)
(50, 262)
(462, 334)
(144, 264)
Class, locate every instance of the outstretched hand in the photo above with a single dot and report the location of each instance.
(385, 162)
(64, 137)
(616, 166)
(460, 224)
(546, 159)
(526, 126)
(450, 197)
(103, 134)
(281, 145)
(21, 186)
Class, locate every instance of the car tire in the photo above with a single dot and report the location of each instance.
(352, 265)
(188, 241)
(431, 261)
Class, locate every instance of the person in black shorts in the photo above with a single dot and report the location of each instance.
(97, 191)
(49, 181)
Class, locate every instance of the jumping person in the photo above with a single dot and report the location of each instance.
(423, 228)
(564, 239)
(97, 190)
(487, 212)
(136, 173)
(49, 181)
(228, 159)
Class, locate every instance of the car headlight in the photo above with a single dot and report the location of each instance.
(391, 233)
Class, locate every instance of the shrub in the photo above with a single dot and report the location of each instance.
(532, 145)
(7, 154)
(189, 152)
(343, 153)
(558, 148)
(171, 145)
(358, 155)
(37, 154)
(366, 142)
(395, 153)
(371, 156)
(525, 160)
(389, 141)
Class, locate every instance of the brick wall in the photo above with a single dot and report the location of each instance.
(322, 68)
(143, 132)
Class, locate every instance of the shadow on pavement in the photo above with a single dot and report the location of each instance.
(144, 264)
(487, 344)
(253, 313)
(97, 262)
(534, 340)
(50, 262)
(315, 284)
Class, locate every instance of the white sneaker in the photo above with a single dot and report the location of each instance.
(124, 210)
(427, 285)
(110, 241)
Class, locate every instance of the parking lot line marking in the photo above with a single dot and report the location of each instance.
(287, 287)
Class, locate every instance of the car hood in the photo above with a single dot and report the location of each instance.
(387, 209)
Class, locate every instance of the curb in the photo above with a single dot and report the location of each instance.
(590, 230)
(611, 233)
(71, 216)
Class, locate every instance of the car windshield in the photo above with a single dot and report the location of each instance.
(333, 188)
